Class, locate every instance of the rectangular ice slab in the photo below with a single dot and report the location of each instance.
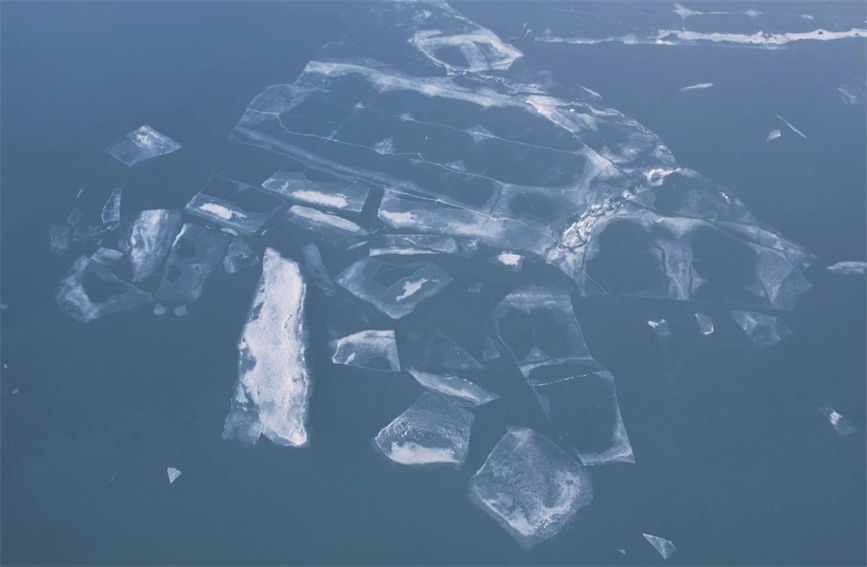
(233, 205)
(90, 290)
(431, 431)
(394, 289)
(538, 327)
(271, 395)
(140, 145)
(370, 349)
(531, 487)
(195, 254)
(324, 190)
(149, 240)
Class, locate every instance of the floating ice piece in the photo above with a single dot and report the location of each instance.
(773, 135)
(316, 270)
(149, 240)
(141, 144)
(431, 431)
(329, 191)
(705, 324)
(850, 268)
(510, 260)
(435, 351)
(665, 37)
(326, 224)
(273, 388)
(763, 330)
(454, 387)
(531, 487)
(660, 327)
(577, 394)
(233, 205)
(107, 256)
(73, 295)
(196, 253)
(696, 87)
(852, 94)
(663, 546)
(59, 238)
(621, 551)
(370, 349)
(239, 256)
(181, 311)
(395, 289)
(111, 209)
(413, 244)
(840, 424)
(792, 127)
(173, 474)
(160, 309)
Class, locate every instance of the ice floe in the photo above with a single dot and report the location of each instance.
(370, 349)
(90, 290)
(173, 474)
(149, 240)
(530, 487)
(792, 127)
(848, 268)
(705, 324)
(773, 135)
(239, 256)
(315, 269)
(762, 329)
(233, 205)
(195, 254)
(326, 190)
(141, 144)
(661, 327)
(664, 547)
(696, 87)
(454, 387)
(274, 384)
(841, 425)
(432, 431)
(110, 215)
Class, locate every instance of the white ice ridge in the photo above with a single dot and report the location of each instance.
(695, 87)
(848, 268)
(792, 127)
(271, 395)
(173, 474)
(665, 547)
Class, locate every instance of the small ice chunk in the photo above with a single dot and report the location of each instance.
(510, 260)
(454, 387)
(87, 277)
(111, 209)
(413, 244)
(665, 548)
(59, 237)
(140, 145)
(840, 424)
(149, 240)
(431, 431)
(395, 289)
(763, 330)
(660, 327)
(850, 268)
(326, 224)
(773, 135)
(530, 486)
(273, 387)
(239, 256)
(621, 551)
(196, 253)
(181, 311)
(491, 351)
(173, 474)
(315, 269)
(705, 324)
(234, 205)
(107, 256)
(370, 349)
(329, 191)
(696, 87)
(160, 309)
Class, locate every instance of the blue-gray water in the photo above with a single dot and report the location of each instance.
(734, 462)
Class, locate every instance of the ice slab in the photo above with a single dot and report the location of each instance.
(395, 289)
(663, 546)
(325, 224)
(530, 487)
(413, 244)
(661, 327)
(107, 256)
(538, 327)
(239, 256)
(762, 329)
(510, 260)
(233, 205)
(90, 290)
(195, 254)
(773, 135)
(59, 237)
(141, 144)
(324, 190)
(315, 269)
(841, 425)
(454, 387)
(271, 395)
(705, 324)
(696, 87)
(851, 268)
(370, 349)
(149, 240)
(432, 431)
(173, 474)
(111, 209)
(435, 351)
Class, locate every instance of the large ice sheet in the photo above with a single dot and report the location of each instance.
(140, 145)
(234, 205)
(395, 289)
(91, 290)
(196, 253)
(371, 349)
(577, 394)
(271, 395)
(149, 239)
(432, 431)
(531, 487)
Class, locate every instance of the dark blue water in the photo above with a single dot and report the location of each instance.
(734, 462)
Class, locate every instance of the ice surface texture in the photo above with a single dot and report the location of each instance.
(271, 395)
(140, 145)
(531, 487)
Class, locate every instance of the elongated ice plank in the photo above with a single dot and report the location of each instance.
(459, 389)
